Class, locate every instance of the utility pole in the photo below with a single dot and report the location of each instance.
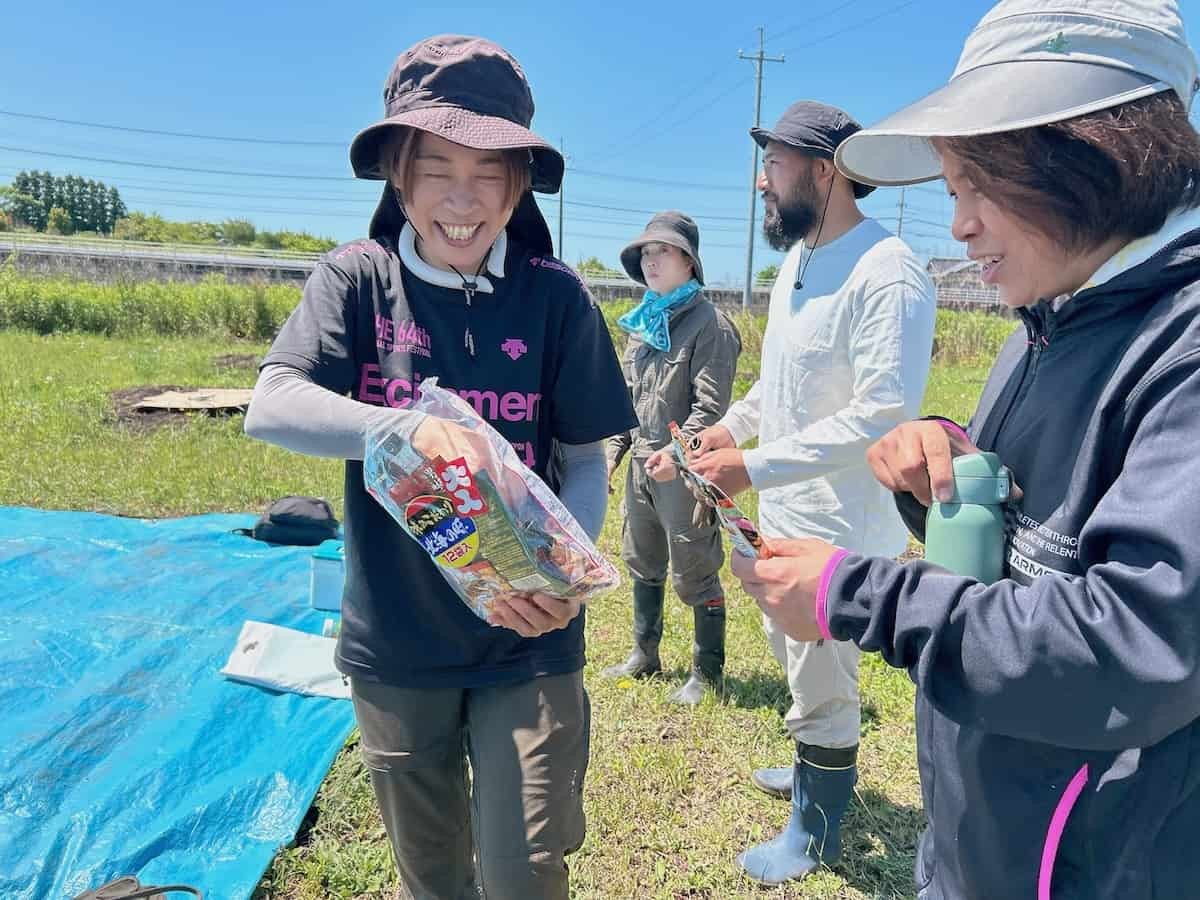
(900, 226)
(562, 147)
(758, 59)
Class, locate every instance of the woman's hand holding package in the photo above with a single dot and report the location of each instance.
(532, 615)
(449, 440)
(785, 585)
(441, 437)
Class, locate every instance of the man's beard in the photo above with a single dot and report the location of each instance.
(793, 218)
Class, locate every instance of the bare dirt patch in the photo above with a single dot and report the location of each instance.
(236, 361)
(130, 416)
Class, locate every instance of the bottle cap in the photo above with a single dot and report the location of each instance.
(980, 478)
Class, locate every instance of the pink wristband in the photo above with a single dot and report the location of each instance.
(954, 429)
(823, 592)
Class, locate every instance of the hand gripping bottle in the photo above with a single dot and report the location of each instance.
(966, 534)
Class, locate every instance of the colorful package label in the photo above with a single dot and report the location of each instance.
(449, 538)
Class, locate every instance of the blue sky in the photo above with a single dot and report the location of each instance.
(649, 98)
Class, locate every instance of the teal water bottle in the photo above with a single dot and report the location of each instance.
(966, 534)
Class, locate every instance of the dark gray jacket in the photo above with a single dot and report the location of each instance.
(1058, 710)
(690, 384)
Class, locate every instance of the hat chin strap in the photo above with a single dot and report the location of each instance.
(817, 240)
(469, 285)
(404, 212)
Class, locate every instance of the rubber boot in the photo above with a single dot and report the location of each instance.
(776, 782)
(708, 654)
(647, 634)
(822, 784)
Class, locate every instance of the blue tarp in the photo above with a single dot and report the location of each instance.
(123, 751)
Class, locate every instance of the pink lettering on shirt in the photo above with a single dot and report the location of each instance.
(399, 393)
(404, 336)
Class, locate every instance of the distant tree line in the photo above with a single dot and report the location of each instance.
(70, 204)
(63, 204)
(236, 232)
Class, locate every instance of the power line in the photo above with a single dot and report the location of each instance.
(314, 198)
(147, 165)
(604, 154)
(587, 173)
(154, 187)
(591, 173)
(655, 120)
(345, 214)
(856, 25)
(627, 223)
(648, 212)
(609, 237)
(176, 134)
(141, 200)
(664, 128)
(927, 222)
(809, 22)
(177, 183)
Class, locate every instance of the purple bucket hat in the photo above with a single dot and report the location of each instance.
(472, 92)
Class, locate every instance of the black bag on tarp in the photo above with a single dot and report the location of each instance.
(295, 520)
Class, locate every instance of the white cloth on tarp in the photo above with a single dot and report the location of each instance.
(284, 659)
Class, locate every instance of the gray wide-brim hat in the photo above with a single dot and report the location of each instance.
(472, 92)
(671, 227)
(814, 128)
(1029, 63)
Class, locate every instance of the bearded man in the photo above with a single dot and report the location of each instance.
(845, 359)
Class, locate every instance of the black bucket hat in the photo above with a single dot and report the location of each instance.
(813, 128)
(670, 227)
(472, 92)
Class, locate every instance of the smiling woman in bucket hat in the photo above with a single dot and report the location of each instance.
(680, 363)
(456, 281)
(1058, 709)
(471, 92)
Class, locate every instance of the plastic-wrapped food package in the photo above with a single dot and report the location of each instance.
(492, 526)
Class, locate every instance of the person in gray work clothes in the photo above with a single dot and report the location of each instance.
(679, 364)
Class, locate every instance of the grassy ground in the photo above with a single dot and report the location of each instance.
(668, 800)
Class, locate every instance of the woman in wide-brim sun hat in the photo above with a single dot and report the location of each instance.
(1058, 709)
(456, 280)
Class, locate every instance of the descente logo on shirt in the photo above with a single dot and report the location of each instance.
(511, 406)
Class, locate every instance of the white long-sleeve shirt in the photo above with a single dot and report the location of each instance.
(845, 359)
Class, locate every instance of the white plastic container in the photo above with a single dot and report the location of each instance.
(328, 564)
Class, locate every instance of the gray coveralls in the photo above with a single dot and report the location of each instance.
(690, 384)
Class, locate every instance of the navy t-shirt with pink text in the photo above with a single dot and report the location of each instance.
(543, 370)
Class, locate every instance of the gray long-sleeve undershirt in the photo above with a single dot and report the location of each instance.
(292, 411)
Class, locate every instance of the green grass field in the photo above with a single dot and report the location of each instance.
(668, 800)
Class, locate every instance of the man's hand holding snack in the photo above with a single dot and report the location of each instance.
(715, 437)
(725, 468)
(661, 465)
